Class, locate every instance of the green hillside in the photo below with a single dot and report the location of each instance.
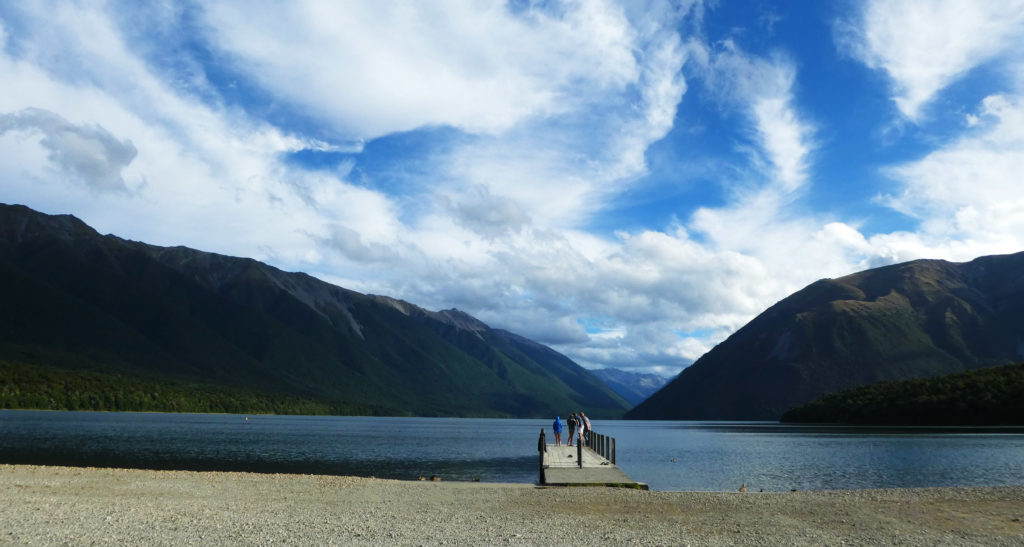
(48, 388)
(989, 396)
(78, 301)
(914, 320)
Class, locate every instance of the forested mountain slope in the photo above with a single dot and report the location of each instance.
(77, 300)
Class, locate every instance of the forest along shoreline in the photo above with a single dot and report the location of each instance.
(53, 505)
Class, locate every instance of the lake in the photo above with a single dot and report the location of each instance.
(668, 455)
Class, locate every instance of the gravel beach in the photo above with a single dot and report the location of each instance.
(63, 505)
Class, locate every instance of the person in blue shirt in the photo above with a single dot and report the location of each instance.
(557, 428)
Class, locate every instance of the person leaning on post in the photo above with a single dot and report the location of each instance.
(584, 427)
(571, 422)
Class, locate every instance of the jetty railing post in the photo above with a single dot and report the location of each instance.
(607, 451)
(579, 453)
(542, 447)
(613, 450)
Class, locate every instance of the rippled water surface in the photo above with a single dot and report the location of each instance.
(666, 455)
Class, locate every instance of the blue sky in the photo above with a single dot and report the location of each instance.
(627, 182)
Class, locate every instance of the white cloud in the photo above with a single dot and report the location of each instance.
(925, 45)
(763, 89)
(569, 101)
(561, 170)
(784, 139)
(199, 175)
(662, 85)
(500, 235)
(375, 68)
(968, 193)
(560, 106)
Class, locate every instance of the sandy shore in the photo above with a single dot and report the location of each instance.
(62, 505)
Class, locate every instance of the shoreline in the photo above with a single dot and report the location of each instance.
(60, 505)
(443, 480)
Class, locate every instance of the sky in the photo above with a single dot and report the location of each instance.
(627, 182)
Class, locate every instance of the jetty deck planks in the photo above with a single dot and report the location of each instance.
(562, 469)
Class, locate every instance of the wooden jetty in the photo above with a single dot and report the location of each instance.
(591, 464)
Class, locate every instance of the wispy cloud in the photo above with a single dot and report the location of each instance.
(497, 224)
(763, 90)
(925, 45)
(375, 68)
(964, 191)
(200, 174)
(968, 193)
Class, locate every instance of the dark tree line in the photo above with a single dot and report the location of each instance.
(24, 386)
(987, 396)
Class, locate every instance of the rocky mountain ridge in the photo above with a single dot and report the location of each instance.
(82, 301)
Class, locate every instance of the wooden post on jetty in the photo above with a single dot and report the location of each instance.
(589, 463)
(542, 447)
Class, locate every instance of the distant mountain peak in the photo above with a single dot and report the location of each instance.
(28, 223)
(460, 319)
(632, 386)
(453, 317)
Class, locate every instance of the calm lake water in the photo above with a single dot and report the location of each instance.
(666, 455)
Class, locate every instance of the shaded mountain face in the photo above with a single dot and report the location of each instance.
(913, 320)
(632, 386)
(74, 299)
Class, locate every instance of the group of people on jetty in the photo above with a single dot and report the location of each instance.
(576, 423)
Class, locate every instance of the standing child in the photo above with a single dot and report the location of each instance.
(557, 428)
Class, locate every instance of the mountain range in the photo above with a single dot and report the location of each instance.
(632, 386)
(79, 301)
(912, 320)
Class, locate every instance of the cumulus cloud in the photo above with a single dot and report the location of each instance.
(89, 154)
(923, 46)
